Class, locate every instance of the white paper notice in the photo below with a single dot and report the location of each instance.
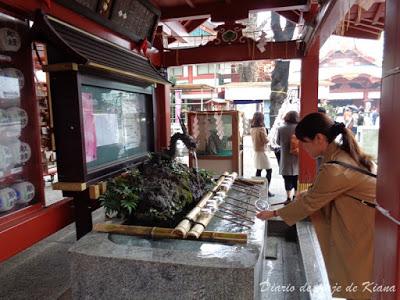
(131, 125)
(107, 132)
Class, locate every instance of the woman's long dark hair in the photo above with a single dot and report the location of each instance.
(315, 123)
(258, 120)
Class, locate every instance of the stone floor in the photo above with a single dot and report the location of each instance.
(42, 271)
(283, 273)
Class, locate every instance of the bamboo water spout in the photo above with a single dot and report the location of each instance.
(203, 220)
(184, 226)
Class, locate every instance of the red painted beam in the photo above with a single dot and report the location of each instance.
(191, 25)
(13, 218)
(327, 20)
(17, 236)
(234, 52)
(234, 10)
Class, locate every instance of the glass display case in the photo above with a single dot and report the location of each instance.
(100, 128)
(21, 182)
(219, 136)
(115, 125)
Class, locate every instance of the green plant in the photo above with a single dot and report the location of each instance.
(206, 176)
(121, 196)
(157, 192)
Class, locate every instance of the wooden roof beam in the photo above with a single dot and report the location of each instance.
(361, 34)
(360, 28)
(232, 10)
(290, 15)
(191, 25)
(378, 13)
(327, 20)
(369, 14)
(234, 52)
(363, 25)
(381, 24)
(359, 15)
(190, 3)
(178, 31)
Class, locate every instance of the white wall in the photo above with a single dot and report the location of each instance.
(247, 93)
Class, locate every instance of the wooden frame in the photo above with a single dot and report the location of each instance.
(69, 131)
(32, 169)
(236, 158)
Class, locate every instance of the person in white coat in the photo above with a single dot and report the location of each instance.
(259, 136)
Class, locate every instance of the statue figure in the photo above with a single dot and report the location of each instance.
(187, 139)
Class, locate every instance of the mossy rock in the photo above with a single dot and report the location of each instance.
(163, 192)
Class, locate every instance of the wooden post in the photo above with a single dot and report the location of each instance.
(83, 212)
(163, 114)
(308, 104)
(387, 251)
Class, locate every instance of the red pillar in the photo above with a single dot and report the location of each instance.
(387, 234)
(190, 74)
(308, 104)
(163, 116)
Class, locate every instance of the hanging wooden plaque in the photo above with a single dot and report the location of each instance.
(135, 19)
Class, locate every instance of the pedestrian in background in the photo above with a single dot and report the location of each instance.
(259, 136)
(289, 163)
(374, 115)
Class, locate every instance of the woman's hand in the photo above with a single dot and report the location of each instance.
(299, 194)
(266, 214)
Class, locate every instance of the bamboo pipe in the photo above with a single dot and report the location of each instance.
(198, 229)
(250, 181)
(160, 232)
(184, 226)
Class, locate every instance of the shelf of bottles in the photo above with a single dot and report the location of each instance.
(19, 181)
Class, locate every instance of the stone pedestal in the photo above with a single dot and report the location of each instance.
(111, 266)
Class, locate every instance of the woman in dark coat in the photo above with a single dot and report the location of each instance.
(289, 163)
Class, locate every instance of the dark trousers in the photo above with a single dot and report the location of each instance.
(277, 152)
(269, 175)
(290, 182)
